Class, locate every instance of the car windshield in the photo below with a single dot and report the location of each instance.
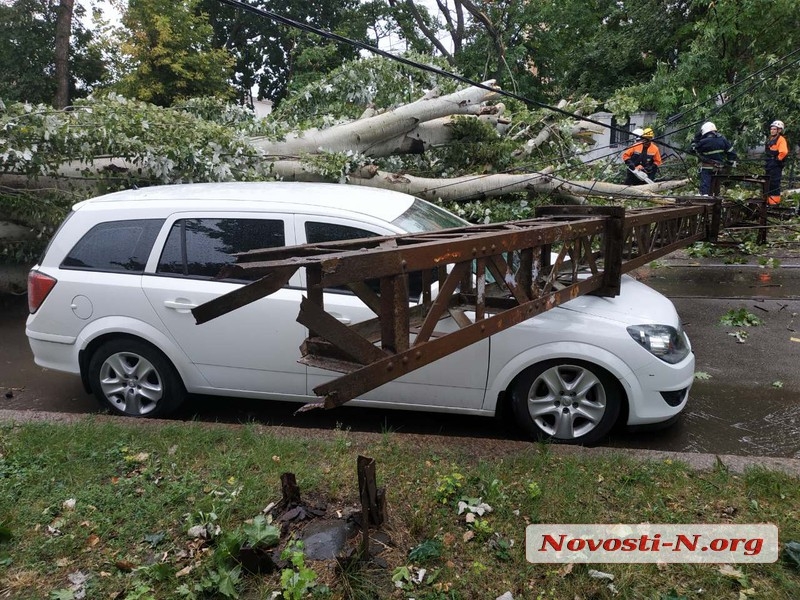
(424, 216)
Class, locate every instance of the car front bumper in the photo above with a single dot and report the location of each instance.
(662, 390)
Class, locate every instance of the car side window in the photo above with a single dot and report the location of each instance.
(115, 246)
(202, 247)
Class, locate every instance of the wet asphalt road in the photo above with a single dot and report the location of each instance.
(749, 405)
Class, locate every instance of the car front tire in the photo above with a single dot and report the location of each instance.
(566, 401)
(131, 378)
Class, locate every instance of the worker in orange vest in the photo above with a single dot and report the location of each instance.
(642, 156)
(776, 150)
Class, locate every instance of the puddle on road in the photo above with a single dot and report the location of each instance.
(730, 281)
(731, 420)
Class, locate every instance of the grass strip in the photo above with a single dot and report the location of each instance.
(104, 509)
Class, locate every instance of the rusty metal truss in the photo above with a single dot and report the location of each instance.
(486, 278)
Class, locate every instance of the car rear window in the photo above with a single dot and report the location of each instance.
(201, 247)
(115, 246)
(317, 233)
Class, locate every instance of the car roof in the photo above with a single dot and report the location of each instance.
(291, 196)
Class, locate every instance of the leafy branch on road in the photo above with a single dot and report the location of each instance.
(740, 317)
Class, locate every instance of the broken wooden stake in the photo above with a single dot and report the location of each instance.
(373, 500)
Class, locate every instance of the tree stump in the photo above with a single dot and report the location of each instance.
(289, 490)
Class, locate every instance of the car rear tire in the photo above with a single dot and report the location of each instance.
(566, 401)
(131, 378)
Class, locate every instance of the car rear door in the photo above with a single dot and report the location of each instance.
(251, 349)
(456, 381)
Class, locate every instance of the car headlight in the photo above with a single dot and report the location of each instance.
(665, 342)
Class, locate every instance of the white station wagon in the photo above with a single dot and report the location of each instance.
(111, 301)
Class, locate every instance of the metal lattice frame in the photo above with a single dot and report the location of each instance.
(486, 278)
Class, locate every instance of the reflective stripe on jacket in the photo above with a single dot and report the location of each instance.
(713, 149)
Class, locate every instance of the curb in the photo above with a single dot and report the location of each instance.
(490, 448)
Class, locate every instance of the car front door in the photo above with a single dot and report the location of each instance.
(455, 381)
(250, 349)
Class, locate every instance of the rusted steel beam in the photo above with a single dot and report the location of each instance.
(322, 324)
(394, 313)
(441, 303)
(414, 253)
(269, 284)
(612, 253)
(379, 257)
(352, 385)
(388, 261)
(489, 279)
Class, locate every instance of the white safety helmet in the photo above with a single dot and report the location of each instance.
(778, 124)
(637, 132)
(707, 127)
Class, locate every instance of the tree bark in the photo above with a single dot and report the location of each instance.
(432, 36)
(63, 32)
(470, 187)
(481, 17)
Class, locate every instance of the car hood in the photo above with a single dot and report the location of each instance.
(636, 304)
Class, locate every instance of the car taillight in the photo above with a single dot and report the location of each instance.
(39, 285)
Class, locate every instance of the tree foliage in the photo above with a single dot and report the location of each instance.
(166, 145)
(622, 41)
(346, 92)
(170, 53)
(735, 63)
(550, 50)
(740, 69)
(27, 56)
(269, 55)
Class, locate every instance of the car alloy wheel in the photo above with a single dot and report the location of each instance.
(566, 401)
(131, 378)
(131, 383)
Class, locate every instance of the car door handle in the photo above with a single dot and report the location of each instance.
(341, 318)
(180, 305)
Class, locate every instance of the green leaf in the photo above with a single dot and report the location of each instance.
(260, 532)
(793, 552)
(154, 539)
(228, 581)
(427, 550)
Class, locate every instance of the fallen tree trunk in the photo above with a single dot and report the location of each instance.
(481, 186)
